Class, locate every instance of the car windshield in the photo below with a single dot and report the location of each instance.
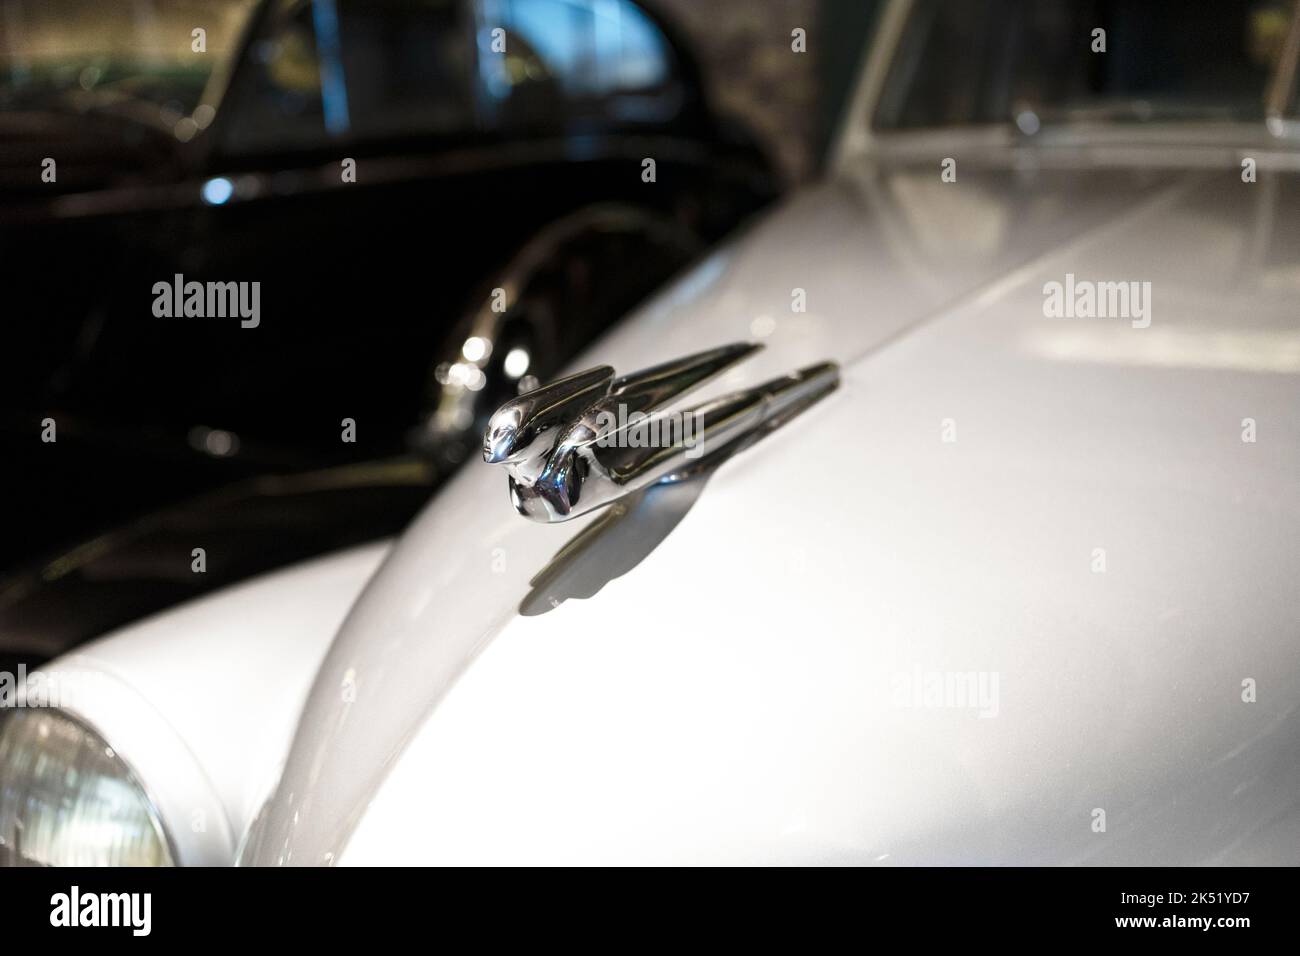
(1062, 61)
(58, 54)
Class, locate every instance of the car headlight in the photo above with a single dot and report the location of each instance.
(68, 799)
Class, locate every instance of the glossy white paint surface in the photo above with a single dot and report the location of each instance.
(733, 697)
(202, 700)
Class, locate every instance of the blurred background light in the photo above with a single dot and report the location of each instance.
(217, 191)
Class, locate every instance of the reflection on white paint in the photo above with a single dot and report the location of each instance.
(1261, 350)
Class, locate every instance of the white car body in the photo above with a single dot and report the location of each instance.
(1097, 519)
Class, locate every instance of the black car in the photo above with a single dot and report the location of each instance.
(427, 201)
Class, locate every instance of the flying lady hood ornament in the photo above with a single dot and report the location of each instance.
(589, 439)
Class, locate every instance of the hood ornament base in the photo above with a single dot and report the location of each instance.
(586, 440)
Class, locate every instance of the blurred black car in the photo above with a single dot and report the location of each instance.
(437, 198)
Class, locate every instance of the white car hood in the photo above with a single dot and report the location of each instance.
(744, 693)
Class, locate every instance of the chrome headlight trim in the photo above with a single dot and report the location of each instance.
(70, 796)
(193, 819)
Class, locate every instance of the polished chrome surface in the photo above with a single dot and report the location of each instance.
(589, 439)
(472, 371)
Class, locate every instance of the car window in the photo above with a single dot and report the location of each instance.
(328, 70)
(571, 63)
(407, 66)
(275, 100)
(1032, 61)
(117, 53)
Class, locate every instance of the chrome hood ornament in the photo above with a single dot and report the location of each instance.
(589, 439)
